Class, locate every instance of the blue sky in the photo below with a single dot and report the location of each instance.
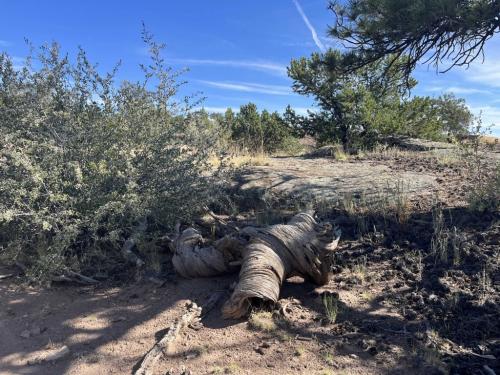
(237, 50)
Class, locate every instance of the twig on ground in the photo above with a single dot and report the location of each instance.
(50, 356)
(130, 244)
(167, 344)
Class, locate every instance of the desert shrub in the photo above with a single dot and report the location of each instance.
(354, 109)
(360, 108)
(481, 170)
(85, 161)
(290, 145)
(485, 194)
(247, 129)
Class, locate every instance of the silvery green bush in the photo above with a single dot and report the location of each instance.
(84, 160)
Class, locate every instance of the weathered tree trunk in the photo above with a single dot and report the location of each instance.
(302, 247)
(190, 260)
(267, 256)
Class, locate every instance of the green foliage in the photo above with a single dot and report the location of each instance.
(355, 108)
(438, 31)
(421, 119)
(330, 303)
(259, 133)
(436, 118)
(247, 129)
(454, 115)
(83, 161)
(359, 108)
(277, 136)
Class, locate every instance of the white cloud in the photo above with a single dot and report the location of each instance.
(249, 64)
(458, 90)
(486, 73)
(250, 87)
(311, 28)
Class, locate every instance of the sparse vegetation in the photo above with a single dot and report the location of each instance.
(299, 351)
(262, 321)
(330, 303)
(328, 358)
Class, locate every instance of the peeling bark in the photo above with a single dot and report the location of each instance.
(267, 257)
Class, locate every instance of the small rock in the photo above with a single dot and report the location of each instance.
(353, 356)
(25, 334)
(265, 345)
(410, 314)
(196, 326)
(191, 356)
(260, 350)
(433, 298)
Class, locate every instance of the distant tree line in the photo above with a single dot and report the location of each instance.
(251, 131)
(352, 111)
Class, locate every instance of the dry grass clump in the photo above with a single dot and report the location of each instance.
(262, 321)
(260, 159)
(330, 303)
(484, 195)
(232, 368)
(239, 160)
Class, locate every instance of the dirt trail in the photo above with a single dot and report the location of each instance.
(108, 330)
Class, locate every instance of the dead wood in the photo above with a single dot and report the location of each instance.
(83, 278)
(50, 355)
(212, 302)
(192, 259)
(130, 244)
(302, 247)
(75, 277)
(267, 257)
(166, 345)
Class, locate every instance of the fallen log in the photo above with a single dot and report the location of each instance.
(301, 248)
(267, 257)
(190, 260)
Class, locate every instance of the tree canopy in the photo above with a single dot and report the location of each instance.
(360, 108)
(440, 32)
(353, 106)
